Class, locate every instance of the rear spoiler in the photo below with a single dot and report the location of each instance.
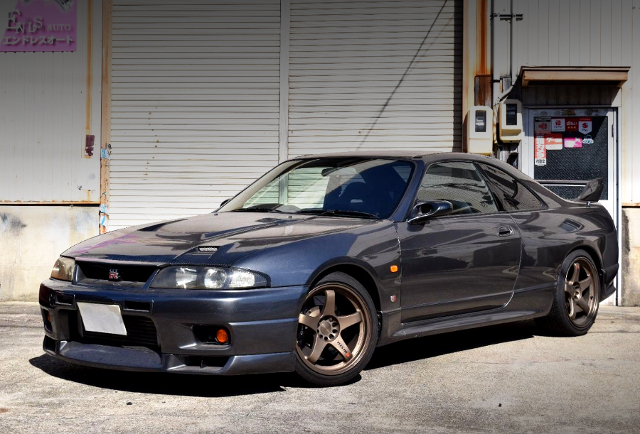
(591, 192)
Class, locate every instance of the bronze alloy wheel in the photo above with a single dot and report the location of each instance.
(334, 330)
(580, 286)
(575, 298)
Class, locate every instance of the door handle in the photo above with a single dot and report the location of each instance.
(505, 231)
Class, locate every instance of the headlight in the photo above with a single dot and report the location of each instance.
(207, 278)
(63, 269)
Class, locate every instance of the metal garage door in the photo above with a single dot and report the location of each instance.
(195, 100)
(375, 74)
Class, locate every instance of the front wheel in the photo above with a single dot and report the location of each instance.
(337, 331)
(575, 303)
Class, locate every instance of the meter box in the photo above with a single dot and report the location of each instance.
(480, 130)
(511, 128)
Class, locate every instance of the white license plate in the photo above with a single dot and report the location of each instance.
(102, 318)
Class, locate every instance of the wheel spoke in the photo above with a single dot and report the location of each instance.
(341, 347)
(584, 284)
(330, 303)
(349, 320)
(572, 308)
(309, 321)
(576, 273)
(318, 347)
(568, 288)
(583, 304)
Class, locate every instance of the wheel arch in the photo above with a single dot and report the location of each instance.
(358, 272)
(597, 259)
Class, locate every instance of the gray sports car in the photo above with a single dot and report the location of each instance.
(326, 257)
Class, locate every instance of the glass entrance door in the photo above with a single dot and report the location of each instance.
(564, 148)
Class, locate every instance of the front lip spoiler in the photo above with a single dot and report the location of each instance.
(142, 359)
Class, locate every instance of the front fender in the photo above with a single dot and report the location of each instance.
(372, 248)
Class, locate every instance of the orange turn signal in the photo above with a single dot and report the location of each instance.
(394, 268)
(222, 336)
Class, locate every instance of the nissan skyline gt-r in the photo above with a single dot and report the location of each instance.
(327, 257)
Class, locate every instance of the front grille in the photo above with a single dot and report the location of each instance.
(95, 273)
(141, 332)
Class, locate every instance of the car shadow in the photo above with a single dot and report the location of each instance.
(220, 386)
(437, 345)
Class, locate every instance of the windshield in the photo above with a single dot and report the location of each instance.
(360, 187)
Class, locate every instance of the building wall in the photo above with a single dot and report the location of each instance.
(49, 103)
(580, 33)
(32, 238)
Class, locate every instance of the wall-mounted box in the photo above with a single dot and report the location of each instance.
(480, 130)
(511, 127)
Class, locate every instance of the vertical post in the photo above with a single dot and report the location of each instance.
(468, 62)
(105, 129)
(283, 136)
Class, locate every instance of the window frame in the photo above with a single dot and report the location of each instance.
(480, 173)
(494, 192)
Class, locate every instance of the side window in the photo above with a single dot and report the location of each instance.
(459, 183)
(513, 195)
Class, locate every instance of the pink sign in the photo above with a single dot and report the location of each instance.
(573, 142)
(41, 25)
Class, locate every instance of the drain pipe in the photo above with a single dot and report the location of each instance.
(503, 95)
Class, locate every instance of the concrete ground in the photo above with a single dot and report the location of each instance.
(499, 379)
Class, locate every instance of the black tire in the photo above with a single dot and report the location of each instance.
(567, 317)
(330, 349)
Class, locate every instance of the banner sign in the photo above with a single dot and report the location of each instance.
(540, 152)
(40, 25)
(553, 142)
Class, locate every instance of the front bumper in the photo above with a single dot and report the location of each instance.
(262, 325)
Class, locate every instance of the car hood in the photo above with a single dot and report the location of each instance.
(228, 237)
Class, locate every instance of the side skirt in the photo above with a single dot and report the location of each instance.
(525, 304)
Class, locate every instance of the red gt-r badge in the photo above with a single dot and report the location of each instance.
(114, 274)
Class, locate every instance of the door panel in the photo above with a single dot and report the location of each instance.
(453, 265)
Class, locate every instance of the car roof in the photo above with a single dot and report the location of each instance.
(368, 154)
(427, 157)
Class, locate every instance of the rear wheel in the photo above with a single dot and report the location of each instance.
(337, 331)
(575, 303)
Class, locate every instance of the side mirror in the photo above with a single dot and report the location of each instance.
(224, 202)
(424, 211)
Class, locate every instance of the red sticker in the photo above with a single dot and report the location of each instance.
(571, 125)
(585, 125)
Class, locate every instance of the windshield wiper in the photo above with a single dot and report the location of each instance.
(258, 208)
(339, 212)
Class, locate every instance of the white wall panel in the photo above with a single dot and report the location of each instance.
(583, 33)
(195, 104)
(47, 107)
(375, 74)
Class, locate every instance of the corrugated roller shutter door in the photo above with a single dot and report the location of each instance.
(375, 74)
(195, 104)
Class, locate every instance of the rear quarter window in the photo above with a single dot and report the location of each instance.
(512, 194)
